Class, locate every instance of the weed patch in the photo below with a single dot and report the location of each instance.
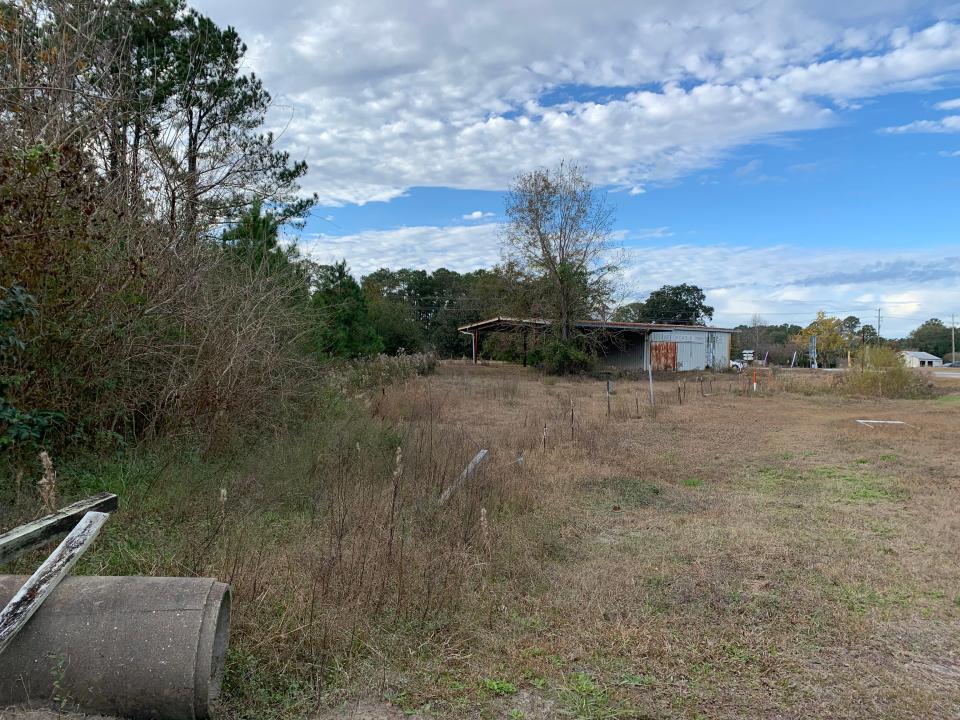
(499, 688)
(584, 698)
(627, 492)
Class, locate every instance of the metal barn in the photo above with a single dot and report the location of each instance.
(628, 346)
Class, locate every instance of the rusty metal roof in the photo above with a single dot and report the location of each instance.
(506, 324)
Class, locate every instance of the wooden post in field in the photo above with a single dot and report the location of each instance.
(55, 568)
(571, 419)
(679, 394)
(544, 437)
(608, 398)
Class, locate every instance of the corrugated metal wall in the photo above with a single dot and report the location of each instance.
(721, 353)
(695, 350)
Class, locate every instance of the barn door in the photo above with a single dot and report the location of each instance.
(664, 355)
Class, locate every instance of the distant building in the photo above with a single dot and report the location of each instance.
(918, 358)
(627, 345)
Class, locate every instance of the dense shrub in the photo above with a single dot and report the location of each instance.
(880, 372)
(562, 357)
(382, 370)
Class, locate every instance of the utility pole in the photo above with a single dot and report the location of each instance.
(953, 338)
(878, 326)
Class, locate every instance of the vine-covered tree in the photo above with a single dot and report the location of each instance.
(559, 232)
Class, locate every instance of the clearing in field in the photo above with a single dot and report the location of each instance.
(732, 556)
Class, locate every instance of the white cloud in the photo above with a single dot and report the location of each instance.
(790, 284)
(949, 124)
(392, 94)
(950, 153)
(749, 168)
(458, 247)
(477, 215)
(948, 104)
(648, 233)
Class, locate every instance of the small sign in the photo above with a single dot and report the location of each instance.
(748, 355)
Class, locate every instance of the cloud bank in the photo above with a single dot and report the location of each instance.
(381, 96)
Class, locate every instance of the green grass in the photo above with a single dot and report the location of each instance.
(691, 482)
(628, 492)
(500, 688)
(844, 484)
(637, 681)
(584, 698)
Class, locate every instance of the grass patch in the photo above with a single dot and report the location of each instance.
(584, 698)
(692, 482)
(637, 681)
(628, 492)
(861, 598)
(500, 688)
(856, 484)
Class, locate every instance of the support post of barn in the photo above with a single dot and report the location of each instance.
(524, 348)
(475, 336)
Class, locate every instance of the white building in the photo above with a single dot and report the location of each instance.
(917, 358)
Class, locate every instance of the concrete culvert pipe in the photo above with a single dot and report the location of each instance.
(137, 647)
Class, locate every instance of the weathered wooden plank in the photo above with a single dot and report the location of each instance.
(55, 568)
(34, 534)
(467, 473)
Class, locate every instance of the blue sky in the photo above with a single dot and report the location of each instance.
(787, 157)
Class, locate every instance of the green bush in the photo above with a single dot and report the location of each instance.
(18, 427)
(562, 357)
(880, 372)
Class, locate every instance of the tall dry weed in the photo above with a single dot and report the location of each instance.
(47, 485)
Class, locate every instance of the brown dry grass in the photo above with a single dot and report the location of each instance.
(735, 556)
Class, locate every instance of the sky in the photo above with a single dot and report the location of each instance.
(787, 157)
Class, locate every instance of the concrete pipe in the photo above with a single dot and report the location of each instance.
(138, 647)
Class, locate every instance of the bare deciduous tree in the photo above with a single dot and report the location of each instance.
(559, 233)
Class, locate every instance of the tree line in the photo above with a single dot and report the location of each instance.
(836, 337)
(144, 282)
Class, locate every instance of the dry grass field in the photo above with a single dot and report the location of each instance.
(733, 556)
